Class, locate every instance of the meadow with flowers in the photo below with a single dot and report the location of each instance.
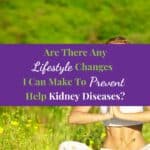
(44, 128)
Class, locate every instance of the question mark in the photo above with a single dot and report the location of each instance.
(122, 95)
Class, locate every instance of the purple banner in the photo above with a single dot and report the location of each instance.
(74, 75)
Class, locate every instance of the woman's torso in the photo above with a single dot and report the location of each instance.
(124, 138)
(123, 134)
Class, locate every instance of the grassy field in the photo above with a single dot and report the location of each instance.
(69, 21)
(44, 128)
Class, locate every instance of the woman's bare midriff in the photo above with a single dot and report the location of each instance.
(124, 138)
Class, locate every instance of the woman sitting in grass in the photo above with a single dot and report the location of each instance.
(123, 124)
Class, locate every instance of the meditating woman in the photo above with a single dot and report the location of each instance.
(123, 123)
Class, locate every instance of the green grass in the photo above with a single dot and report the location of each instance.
(80, 21)
(44, 128)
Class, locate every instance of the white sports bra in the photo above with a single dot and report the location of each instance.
(120, 122)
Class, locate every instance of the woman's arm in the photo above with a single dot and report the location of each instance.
(140, 116)
(81, 115)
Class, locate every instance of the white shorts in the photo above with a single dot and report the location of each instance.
(146, 147)
(74, 145)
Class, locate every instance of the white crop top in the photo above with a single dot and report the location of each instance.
(120, 122)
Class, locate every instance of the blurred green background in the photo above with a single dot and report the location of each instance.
(73, 21)
(63, 21)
